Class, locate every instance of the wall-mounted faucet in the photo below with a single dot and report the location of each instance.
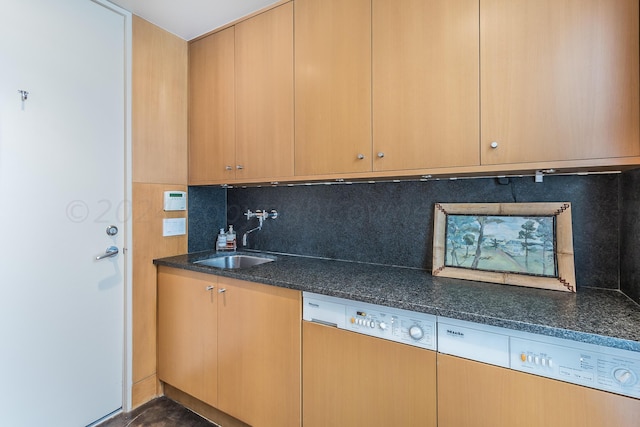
(261, 215)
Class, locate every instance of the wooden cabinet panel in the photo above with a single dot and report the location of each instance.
(476, 394)
(356, 380)
(264, 94)
(425, 84)
(559, 80)
(148, 243)
(259, 360)
(159, 105)
(212, 108)
(332, 86)
(187, 332)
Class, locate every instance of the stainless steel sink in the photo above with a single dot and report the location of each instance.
(235, 261)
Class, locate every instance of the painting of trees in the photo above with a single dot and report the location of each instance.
(501, 243)
(522, 244)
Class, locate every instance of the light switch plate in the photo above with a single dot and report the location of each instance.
(174, 226)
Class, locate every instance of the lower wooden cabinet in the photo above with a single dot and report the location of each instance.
(476, 394)
(187, 333)
(232, 344)
(356, 380)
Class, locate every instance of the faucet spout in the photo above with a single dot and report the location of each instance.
(244, 236)
(261, 215)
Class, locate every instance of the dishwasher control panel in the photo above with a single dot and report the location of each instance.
(605, 368)
(393, 324)
(608, 369)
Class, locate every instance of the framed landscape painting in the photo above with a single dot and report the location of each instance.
(525, 244)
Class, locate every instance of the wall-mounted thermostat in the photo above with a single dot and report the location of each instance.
(175, 201)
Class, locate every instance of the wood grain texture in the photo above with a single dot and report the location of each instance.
(264, 94)
(355, 380)
(425, 84)
(212, 108)
(332, 86)
(259, 362)
(559, 80)
(187, 332)
(144, 390)
(481, 395)
(159, 105)
(148, 243)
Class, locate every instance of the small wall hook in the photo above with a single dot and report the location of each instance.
(23, 94)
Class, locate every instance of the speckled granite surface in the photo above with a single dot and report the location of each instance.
(596, 316)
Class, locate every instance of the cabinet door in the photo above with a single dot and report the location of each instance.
(187, 324)
(212, 108)
(559, 80)
(332, 86)
(425, 84)
(259, 353)
(355, 380)
(476, 394)
(264, 94)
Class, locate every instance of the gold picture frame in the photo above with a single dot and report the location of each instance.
(524, 244)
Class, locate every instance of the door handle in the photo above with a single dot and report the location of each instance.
(111, 251)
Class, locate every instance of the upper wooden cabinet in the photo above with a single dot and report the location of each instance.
(559, 80)
(380, 88)
(425, 84)
(241, 101)
(332, 86)
(212, 108)
(264, 94)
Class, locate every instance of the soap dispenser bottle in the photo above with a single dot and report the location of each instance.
(231, 239)
(221, 243)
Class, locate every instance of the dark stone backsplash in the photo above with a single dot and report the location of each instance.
(392, 222)
(207, 215)
(630, 237)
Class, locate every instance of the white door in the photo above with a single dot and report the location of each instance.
(62, 183)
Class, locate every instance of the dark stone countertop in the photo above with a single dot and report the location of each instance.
(596, 316)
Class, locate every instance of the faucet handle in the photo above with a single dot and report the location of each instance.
(250, 214)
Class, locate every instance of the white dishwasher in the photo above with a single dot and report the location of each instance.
(366, 364)
(491, 376)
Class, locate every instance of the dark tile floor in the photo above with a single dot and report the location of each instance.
(160, 412)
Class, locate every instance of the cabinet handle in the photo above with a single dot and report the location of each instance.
(222, 290)
(210, 288)
(381, 154)
(228, 168)
(360, 156)
(239, 167)
(494, 144)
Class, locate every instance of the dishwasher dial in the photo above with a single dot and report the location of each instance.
(416, 332)
(383, 326)
(625, 377)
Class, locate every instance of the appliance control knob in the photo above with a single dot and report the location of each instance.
(416, 332)
(372, 324)
(383, 326)
(624, 376)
